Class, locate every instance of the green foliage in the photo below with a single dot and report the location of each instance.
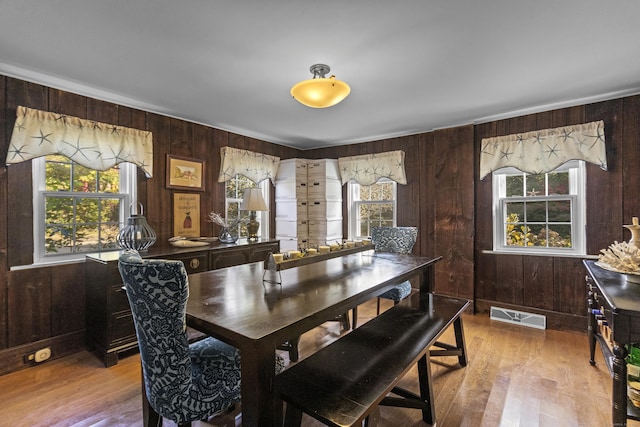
(86, 214)
(519, 234)
(234, 191)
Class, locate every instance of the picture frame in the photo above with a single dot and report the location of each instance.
(184, 173)
(186, 214)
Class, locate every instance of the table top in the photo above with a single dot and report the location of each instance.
(235, 304)
(622, 295)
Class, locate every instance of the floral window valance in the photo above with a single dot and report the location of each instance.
(543, 151)
(89, 143)
(369, 168)
(255, 166)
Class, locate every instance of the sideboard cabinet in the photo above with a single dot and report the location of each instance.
(110, 327)
(614, 298)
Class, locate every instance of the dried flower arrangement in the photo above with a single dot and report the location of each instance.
(622, 257)
(221, 221)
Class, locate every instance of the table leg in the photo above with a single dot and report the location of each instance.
(428, 279)
(619, 413)
(260, 407)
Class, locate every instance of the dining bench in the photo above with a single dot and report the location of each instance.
(342, 383)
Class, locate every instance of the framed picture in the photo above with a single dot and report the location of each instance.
(186, 214)
(184, 173)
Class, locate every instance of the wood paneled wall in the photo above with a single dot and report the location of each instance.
(43, 307)
(555, 286)
(438, 199)
(443, 197)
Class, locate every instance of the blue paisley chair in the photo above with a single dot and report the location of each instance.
(183, 382)
(399, 240)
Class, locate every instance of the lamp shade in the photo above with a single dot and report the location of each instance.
(252, 200)
(320, 92)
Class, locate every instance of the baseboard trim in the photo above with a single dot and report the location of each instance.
(12, 359)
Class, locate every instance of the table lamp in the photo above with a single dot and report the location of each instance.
(253, 201)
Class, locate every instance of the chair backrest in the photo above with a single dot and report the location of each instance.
(394, 239)
(158, 291)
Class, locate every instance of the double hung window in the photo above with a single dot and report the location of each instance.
(78, 209)
(543, 213)
(371, 206)
(234, 191)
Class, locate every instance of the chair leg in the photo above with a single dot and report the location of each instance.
(346, 324)
(378, 308)
(150, 418)
(354, 315)
(291, 347)
(293, 351)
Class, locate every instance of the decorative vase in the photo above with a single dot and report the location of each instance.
(137, 234)
(227, 235)
(635, 232)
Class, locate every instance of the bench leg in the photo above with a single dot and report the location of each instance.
(408, 399)
(459, 332)
(426, 390)
(460, 349)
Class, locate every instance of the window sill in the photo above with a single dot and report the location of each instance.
(68, 259)
(544, 254)
(48, 264)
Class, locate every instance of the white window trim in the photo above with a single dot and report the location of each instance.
(261, 216)
(353, 203)
(128, 187)
(577, 190)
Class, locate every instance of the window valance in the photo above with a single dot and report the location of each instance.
(255, 166)
(89, 143)
(543, 151)
(369, 168)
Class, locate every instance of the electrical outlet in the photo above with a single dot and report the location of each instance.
(38, 356)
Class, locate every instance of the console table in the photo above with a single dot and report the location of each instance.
(612, 298)
(110, 328)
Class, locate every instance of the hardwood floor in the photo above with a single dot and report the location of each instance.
(516, 377)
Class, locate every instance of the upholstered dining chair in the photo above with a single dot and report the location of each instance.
(399, 240)
(182, 382)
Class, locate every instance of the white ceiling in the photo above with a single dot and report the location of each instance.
(413, 65)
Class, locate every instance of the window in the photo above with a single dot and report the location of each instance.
(77, 209)
(371, 206)
(542, 213)
(234, 190)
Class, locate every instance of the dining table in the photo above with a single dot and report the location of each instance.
(244, 307)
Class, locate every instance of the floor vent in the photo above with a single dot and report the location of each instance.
(531, 320)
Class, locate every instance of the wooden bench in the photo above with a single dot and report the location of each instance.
(341, 384)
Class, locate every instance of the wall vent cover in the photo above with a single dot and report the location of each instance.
(531, 320)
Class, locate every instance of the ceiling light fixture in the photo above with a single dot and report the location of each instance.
(320, 92)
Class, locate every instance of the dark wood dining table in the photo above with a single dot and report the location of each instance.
(238, 306)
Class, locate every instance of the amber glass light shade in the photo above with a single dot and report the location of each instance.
(320, 91)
